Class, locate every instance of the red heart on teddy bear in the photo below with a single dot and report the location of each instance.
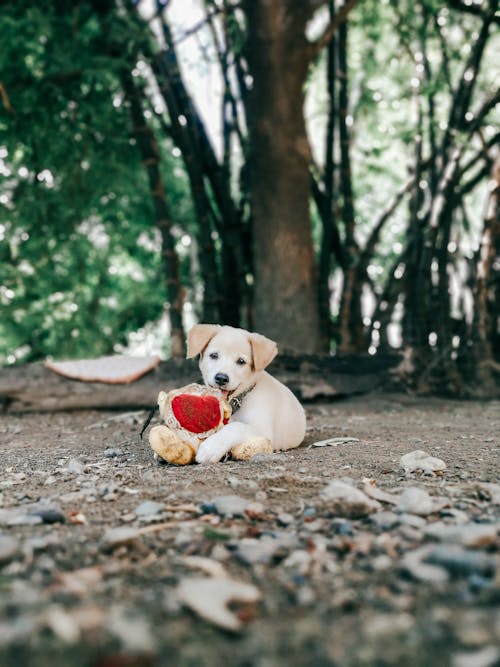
(196, 414)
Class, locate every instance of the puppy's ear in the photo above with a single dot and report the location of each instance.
(263, 349)
(199, 337)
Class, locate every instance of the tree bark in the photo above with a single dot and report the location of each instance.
(286, 307)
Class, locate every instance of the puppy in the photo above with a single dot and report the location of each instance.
(233, 360)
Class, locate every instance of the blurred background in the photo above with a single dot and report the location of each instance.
(326, 174)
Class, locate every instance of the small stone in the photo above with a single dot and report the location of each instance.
(284, 519)
(467, 535)
(112, 453)
(149, 508)
(488, 656)
(385, 520)
(230, 506)
(415, 501)
(9, 549)
(341, 527)
(381, 563)
(49, 514)
(76, 467)
(51, 479)
(490, 492)
(25, 520)
(118, 536)
(460, 561)
(348, 501)
(412, 520)
(413, 564)
(255, 510)
(251, 551)
(263, 458)
(420, 461)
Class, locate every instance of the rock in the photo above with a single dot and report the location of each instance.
(284, 519)
(385, 520)
(412, 520)
(49, 514)
(111, 453)
(420, 461)
(149, 508)
(413, 564)
(341, 527)
(415, 501)
(490, 492)
(459, 561)
(230, 506)
(209, 598)
(9, 549)
(489, 656)
(25, 520)
(133, 631)
(251, 551)
(115, 537)
(76, 467)
(467, 535)
(347, 501)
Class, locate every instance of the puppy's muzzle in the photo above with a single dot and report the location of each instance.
(221, 379)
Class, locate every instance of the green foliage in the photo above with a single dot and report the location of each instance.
(79, 255)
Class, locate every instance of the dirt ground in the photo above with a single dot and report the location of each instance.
(335, 589)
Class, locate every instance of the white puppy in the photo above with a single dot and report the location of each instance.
(234, 360)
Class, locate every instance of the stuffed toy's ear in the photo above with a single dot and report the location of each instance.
(162, 399)
(199, 337)
(263, 349)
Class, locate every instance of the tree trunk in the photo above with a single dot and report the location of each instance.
(286, 307)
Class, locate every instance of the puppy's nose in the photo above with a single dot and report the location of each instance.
(221, 379)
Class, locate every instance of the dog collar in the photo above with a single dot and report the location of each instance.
(237, 401)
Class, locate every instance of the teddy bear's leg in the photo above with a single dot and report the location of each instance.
(251, 448)
(169, 447)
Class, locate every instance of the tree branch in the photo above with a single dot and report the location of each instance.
(332, 27)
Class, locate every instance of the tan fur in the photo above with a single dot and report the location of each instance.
(199, 337)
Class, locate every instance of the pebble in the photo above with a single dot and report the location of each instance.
(415, 501)
(459, 561)
(111, 453)
(348, 501)
(490, 492)
(25, 520)
(251, 551)
(49, 514)
(420, 461)
(413, 564)
(230, 506)
(385, 520)
(467, 535)
(489, 656)
(149, 508)
(9, 549)
(284, 519)
(412, 520)
(342, 527)
(115, 537)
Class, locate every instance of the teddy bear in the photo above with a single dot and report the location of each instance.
(190, 415)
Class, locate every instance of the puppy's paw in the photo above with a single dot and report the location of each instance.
(210, 452)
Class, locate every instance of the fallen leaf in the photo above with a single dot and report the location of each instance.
(209, 599)
(371, 489)
(334, 442)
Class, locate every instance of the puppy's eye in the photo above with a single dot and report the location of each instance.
(241, 361)
(214, 355)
